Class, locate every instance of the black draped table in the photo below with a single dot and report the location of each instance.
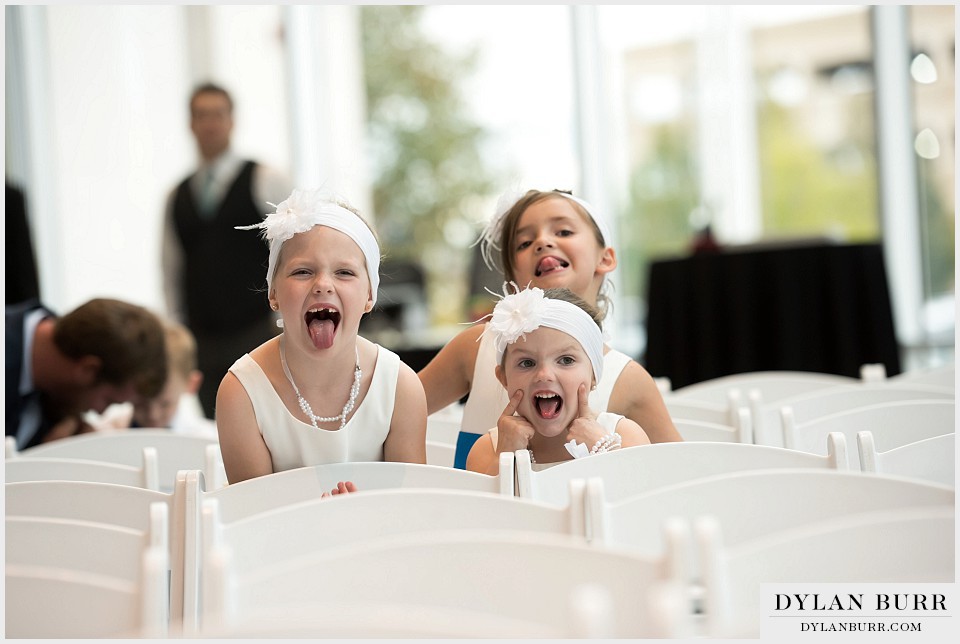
(823, 308)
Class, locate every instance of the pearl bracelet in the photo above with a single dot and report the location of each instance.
(608, 443)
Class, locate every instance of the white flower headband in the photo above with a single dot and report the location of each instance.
(303, 210)
(527, 310)
(491, 235)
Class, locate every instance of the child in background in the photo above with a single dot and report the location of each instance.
(546, 239)
(176, 407)
(549, 355)
(319, 393)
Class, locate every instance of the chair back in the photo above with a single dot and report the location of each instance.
(266, 493)
(526, 577)
(120, 506)
(767, 420)
(733, 498)
(906, 545)
(633, 470)
(39, 468)
(772, 385)
(931, 459)
(175, 451)
(79, 579)
(892, 424)
(699, 430)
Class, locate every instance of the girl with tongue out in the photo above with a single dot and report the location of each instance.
(549, 356)
(546, 239)
(318, 392)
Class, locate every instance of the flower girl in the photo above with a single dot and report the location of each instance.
(549, 351)
(318, 392)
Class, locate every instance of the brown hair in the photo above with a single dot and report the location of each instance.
(508, 234)
(567, 295)
(128, 339)
(211, 88)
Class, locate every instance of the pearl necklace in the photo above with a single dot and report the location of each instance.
(305, 406)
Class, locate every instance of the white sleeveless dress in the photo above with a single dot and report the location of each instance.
(488, 398)
(294, 443)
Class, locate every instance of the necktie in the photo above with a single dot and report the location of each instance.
(208, 196)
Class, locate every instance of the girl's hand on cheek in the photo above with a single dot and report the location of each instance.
(584, 428)
(513, 432)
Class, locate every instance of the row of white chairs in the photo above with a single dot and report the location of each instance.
(890, 448)
(226, 559)
(780, 408)
(149, 458)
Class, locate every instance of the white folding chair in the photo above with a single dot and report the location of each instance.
(175, 451)
(700, 430)
(907, 545)
(525, 577)
(787, 498)
(265, 493)
(891, 423)
(38, 468)
(109, 504)
(941, 376)
(725, 412)
(931, 459)
(303, 528)
(441, 454)
(772, 385)
(633, 470)
(768, 424)
(79, 579)
(444, 426)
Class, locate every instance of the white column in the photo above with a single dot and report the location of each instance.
(595, 148)
(727, 132)
(30, 155)
(327, 100)
(897, 177)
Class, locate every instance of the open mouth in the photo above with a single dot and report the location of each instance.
(322, 325)
(548, 405)
(549, 264)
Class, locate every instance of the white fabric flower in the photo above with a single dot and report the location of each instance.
(516, 315)
(295, 214)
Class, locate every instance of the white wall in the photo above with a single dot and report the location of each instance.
(106, 130)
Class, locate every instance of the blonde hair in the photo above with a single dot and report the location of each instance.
(181, 349)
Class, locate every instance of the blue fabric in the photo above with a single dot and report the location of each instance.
(465, 441)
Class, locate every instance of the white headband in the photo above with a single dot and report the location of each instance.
(491, 235)
(524, 311)
(303, 210)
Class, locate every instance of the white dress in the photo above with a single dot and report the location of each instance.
(294, 443)
(488, 398)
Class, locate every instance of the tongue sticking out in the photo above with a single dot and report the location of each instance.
(548, 407)
(321, 332)
(548, 264)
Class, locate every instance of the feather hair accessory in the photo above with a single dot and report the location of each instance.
(526, 310)
(303, 210)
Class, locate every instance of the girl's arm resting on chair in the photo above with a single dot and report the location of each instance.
(245, 454)
(408, 427)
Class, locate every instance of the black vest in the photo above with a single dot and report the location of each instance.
(225, 269)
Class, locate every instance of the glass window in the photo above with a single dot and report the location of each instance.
(463, 102)
(932, 71)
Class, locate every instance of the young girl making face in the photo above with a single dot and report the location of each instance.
(551, 354)
(319, 393)
(544, 239)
